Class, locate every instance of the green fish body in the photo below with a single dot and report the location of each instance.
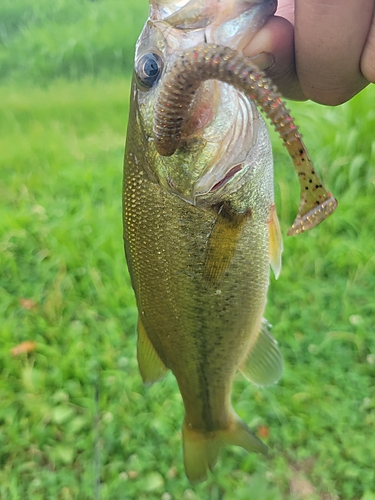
(200, 232)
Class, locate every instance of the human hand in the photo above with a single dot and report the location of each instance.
(324, 51)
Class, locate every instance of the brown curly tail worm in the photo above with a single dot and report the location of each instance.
(215, 62)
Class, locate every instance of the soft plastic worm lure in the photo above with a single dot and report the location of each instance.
(215, 62)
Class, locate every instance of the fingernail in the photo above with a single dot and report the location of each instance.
(264, 60)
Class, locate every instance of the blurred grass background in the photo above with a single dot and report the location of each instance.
(75, 420)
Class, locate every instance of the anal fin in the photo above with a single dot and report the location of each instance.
(150, 365)
(264, 364)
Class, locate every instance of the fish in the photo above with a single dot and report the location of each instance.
(200, 224)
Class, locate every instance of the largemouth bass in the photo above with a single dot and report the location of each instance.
(200, 224)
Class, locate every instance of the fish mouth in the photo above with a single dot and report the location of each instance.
(232, 23)
(220, 117)
(231, 131)
(223, 126)
(202, 111)
(196, 14)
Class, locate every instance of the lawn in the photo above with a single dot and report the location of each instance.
(75, 419)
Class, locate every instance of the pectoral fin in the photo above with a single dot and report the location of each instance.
(150, 365)
(275, 242)
(264, 363)
(222, 242)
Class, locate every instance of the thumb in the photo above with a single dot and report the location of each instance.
(277, 38)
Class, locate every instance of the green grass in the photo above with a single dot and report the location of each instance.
(74, 412)
(43, 40)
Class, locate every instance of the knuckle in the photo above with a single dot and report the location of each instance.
(333, 91)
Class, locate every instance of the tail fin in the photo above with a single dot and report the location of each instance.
(202, 449)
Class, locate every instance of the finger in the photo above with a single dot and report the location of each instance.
(368, 54)
(329, 39)
(276, 37)
(285, 8)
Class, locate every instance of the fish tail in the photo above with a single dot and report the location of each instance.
(201, 449)
(200, 452)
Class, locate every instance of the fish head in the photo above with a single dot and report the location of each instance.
(219, 147)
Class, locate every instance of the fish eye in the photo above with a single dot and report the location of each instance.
(148, 69)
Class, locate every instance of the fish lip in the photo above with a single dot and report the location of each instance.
(174, 11)
(188, 21)
(272, 7)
